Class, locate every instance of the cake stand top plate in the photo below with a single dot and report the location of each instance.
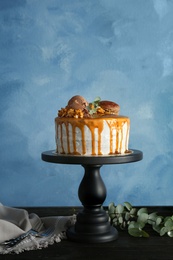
(52, 157)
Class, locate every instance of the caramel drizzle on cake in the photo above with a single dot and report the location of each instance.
(97, 124)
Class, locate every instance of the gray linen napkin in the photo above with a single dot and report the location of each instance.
(15, 222)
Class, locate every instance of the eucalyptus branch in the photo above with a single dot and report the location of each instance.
(127, 217)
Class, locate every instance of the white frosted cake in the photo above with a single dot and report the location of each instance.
(83, 128)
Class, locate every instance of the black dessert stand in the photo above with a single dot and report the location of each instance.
(92, 223)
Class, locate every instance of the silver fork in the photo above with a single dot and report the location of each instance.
(14, 241)
(46, 232)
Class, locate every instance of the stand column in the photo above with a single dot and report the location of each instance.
(92, 223)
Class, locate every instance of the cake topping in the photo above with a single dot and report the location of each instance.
(78, 107)
(109, 107)
(77, 102)
(94, 106)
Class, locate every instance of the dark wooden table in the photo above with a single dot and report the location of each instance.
(126, 247)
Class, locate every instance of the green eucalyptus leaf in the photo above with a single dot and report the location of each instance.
(119, 208)
(111, 204)
(111, 208)
(141, 224)
(111, 211)
(154, 219)
(143, 217)
(120, 219)
(144, 234)
(150, 222)
(158, 221)
(170, 233)
(153, 216)
(133, 211)
(163, 231)
(115, 224)
(127, 216)
(142, 210)
(114, 220)
(166, 218)
(112, 215)
(128, 205)
(134, 224)
(168, 223)
(135, 232)
(124, 224)
(157, 228)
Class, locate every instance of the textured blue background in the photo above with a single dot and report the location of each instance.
(119, 50)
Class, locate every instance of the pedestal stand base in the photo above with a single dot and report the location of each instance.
(92, 226)
(92, 238)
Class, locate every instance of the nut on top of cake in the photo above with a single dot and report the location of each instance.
(79, 107)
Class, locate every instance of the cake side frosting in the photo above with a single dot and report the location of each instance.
(92, 136)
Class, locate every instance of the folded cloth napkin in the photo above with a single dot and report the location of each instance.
(16, 222)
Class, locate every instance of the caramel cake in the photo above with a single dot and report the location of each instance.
(95, 128)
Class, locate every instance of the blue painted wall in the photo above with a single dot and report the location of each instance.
(119, 50)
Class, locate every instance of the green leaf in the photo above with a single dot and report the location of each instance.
(153, 216)
(157, 228)
(170, 233)
(134, 224)
(123, 225)
(111, 208)
(95, 105)
(133, 211)
(142, 210)
(112, 215)
(92, 111)
(166, 218)
(97, 100)
(115, 224)
(168, 223)
(135, 232)
(142, 217)
(128, 205)
(120, 219)
(127, 216)
(141, 224)
(119, 209)
(158, 221)
(163, 231)
(115, 220)
(111, 204)
(145, 234)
